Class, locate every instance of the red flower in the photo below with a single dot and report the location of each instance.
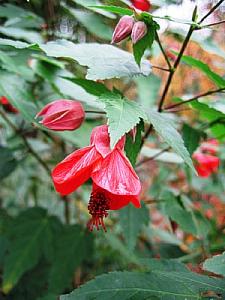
(206, 164)
(115, 183)
(7, 105)
(210, 146)
(143, 5)
(62, 115)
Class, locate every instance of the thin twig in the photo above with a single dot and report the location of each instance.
(147, 133)
(184, 45)
(172, 71)
(26, 143)
(212, 24)
(170, 77)
(163, 51)
(143, 161)
(160, 68)
(211, 11)
(193, 98)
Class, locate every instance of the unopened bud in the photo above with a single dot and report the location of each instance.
(138, 32)
(62, 115)
(123, 29)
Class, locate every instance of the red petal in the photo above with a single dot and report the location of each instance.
(210, 146)
(206, 164)
(143, 5)
(117, 176)
(100, 138)
(68, 120)
(117, 201)
(60, 105)
(203, 172)
(4, 100)
(75, 169)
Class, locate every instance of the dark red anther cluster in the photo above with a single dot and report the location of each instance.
(98, 206)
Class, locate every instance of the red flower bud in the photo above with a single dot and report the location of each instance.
(7, 105)
(138, 32)
(210, 146)
(143, 5)
(62, 115)
(206, 164)
(123, 29)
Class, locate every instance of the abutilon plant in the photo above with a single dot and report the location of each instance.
(115, 159)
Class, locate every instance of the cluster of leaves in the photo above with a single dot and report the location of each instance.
(41, 257)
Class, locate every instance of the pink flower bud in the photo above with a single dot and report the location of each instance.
(138, 32)
(62, 115)
(123, 29)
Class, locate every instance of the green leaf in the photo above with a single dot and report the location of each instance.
(191, 138)
(11, 65)
(32, 284)
(146, 42)
(123, 115)
(49, 297)
(15, 44)
(4, 245)
(175, 210)
(215, 117)
(132, 148)
(165, 237)
(32, 236)
(166, 130)
(10, 11)
(163, 265)
(91, 87)
(148, 90)
(77, 91)
(115, 9)
(132, 221)
(94, 5)
(70, 250)
(8, 163)
(191, 61)
(103, 61)
(15, 89)
(93, 23)
(19, 33)
(20, 17)
(126, 256)
(153, 285)
(215, 264)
